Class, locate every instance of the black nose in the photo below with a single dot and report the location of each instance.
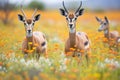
(29, 31)
(71, 25)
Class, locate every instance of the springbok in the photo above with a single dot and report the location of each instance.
(77, 40)
(114, 35)
(35, 38)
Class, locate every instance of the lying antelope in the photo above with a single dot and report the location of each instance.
(114, 35)
(76, 40)
(33, 37)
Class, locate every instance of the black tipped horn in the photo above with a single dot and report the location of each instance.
(79, 7)
(98, 19)
(106, 19)
(35, 11)
(23, 12)
(64, 7)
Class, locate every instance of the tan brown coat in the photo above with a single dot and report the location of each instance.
(38, 39)
(81, 39)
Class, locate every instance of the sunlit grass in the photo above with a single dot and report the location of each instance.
(104, 64)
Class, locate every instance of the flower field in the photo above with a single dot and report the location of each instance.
(104, 64)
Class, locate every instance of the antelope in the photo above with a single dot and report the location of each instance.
(76, 40)
(114, 35)
(33, 37)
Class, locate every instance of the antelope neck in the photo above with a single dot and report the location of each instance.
(106, 33)
(72, 37)
(30, 39)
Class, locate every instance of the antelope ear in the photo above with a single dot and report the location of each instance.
(106, 19)
(20, 17)
(98, 19)
(37, 17)
(80, 12)
(63, 12)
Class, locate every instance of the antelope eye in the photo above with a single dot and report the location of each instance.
(75, 18)
(66, 18)
(24, 23)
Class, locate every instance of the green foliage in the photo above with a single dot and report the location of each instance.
(98, 10)
(36, 4)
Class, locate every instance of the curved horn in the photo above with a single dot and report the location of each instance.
(106, 19)
(34, 13)
(23, 12)
(64, 7)
(79, 7)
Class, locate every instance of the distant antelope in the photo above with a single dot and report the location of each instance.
(33, 37)
(104, 26)
(76, 40)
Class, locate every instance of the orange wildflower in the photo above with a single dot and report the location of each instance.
(72, 76)
(72, 49)
(105, 40)
(34, 48)
(75, 70)
(82, 51)
(56, 45)
(35, 44)
(69, 53)
(25, 50)
(30, 51)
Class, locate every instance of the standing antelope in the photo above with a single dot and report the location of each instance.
(114, 35)
(76, 40)
(33, 37)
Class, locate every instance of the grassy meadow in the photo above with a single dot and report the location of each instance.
(104, 64)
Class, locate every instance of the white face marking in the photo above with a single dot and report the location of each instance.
(72, 30)
(29, 29)
(103, 26)
(71, 23)
(105, 31)
(29, 34)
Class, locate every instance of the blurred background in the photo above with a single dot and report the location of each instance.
(12, 33)
(7, 6)
(55, 4)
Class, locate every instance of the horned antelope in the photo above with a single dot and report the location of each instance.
(33, 37)
(76, 40)
(114, 35)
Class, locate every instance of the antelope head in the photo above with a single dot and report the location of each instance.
(28, 23)
(104, 25)
(71, 17)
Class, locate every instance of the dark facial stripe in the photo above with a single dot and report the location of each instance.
(33, 20)
(23, 20)
(33, 23)
(24, 23)
(70, 20)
